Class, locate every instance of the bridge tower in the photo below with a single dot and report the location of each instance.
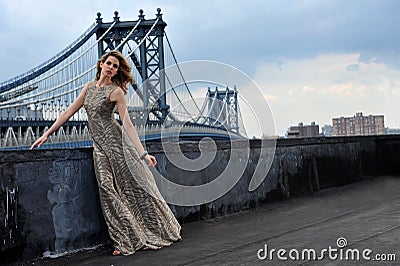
(149, 33)
(223, 109)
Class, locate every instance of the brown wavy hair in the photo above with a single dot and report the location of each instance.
(123, 76)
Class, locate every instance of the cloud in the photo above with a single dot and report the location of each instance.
(308, 89)
(241, 33)
(270, 97)
(348, 89)
(315, 59)
(324, 87)
(353, 67)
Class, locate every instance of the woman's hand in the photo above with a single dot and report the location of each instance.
(150, 160)
(39, 142)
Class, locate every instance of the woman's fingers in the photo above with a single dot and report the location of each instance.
(151, 160)
(33, 145)
(38, 142)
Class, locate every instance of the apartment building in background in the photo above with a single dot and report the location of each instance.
(358, 125)
(303, 131)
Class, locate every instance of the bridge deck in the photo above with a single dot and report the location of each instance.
(366, 213)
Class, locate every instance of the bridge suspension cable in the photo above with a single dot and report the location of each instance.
(60, 69)
(44, 94)
(179, 69)
(33, 73)
(6, 104)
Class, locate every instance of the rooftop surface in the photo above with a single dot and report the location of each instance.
(364, 215)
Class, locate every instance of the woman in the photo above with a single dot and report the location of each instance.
(135, 218)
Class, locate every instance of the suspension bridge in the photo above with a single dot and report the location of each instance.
(161, 103)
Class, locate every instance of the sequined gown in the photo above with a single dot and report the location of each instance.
(135, 218)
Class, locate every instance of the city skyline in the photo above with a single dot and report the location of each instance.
(312, 60)
(356, 125)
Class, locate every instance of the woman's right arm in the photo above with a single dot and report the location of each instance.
(70, 111)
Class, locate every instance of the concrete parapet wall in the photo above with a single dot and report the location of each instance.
(49, 198)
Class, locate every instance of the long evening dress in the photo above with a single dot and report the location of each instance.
(135, 218)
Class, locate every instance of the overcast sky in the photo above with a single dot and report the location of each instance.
(313, 59)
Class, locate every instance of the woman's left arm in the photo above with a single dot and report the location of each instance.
(118, 96)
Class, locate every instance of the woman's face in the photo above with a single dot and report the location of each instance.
(110, 67)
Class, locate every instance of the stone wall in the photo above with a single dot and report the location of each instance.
(49, 199)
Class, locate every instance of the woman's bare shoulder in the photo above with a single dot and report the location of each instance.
(117, 90)
(90, 84)
(116, 93)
